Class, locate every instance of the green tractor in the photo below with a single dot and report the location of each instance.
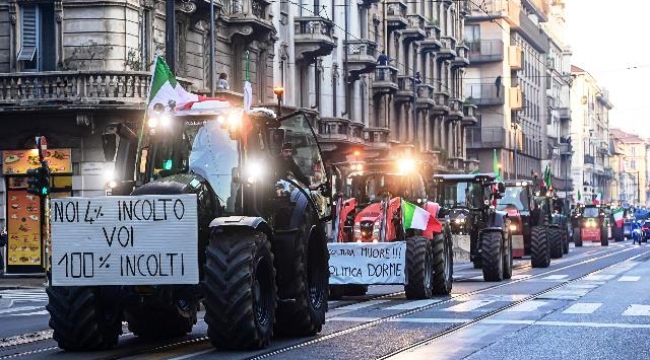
(262, 251)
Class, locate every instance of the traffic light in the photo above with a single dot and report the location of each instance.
(39, 180)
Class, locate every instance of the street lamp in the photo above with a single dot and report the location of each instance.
(279, 94)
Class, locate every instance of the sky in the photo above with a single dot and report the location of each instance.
(609, 39)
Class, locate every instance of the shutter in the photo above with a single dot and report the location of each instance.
(28, 30)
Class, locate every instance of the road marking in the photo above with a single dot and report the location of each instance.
(470, 305)
(35, 313)
(637, 310)
(413, 304)
(528, 306)
(629, 278)
(37, 295)
(19, 309)
(362, 305)
(498, 322)
(582, 308)
(555, 277)
(521, 276)
(597, 277)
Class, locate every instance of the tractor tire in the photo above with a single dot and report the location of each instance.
(419, 268)
(240, 289)
(604, 239)
(492, 256)
(507, 259)
(304, 315)
(477, 264)
(154, 323)
(443, 263)
(577, 237)
(540, 254)
(565, 241)
(80, 319)
(555, 242)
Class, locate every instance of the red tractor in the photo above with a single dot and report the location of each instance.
(373, 212)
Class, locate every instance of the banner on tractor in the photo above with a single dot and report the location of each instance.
(367, 263)
(124, 240)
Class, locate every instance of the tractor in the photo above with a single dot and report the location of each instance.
(589, 225)
(490, 239)
(262, 250)
(517, 202)
(373, 212)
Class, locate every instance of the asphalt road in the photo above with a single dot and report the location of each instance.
(592, 304)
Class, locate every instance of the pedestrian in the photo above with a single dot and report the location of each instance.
(222, 84)
(383, 60)
(497, 83)
(3, 243)
(418, 78)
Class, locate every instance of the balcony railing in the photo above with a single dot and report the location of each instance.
(532, 33)
(485, 51)
(385, 80)
(485, 137)
(507, 9)
(77, 87)
(565, 113)
(486, 94)
(404, 88)
(376, 137)
(589, 159)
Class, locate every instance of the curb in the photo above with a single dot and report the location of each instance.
(6, 303)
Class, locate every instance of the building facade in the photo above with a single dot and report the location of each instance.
(630, 167)
(590, 107)
(506, 79)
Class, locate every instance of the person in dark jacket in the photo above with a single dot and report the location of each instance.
(286, 164)
(3, 243)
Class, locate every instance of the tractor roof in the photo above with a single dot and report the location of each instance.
(465, 177)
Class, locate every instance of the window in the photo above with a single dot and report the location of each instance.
(181, 48)
(633, 149)
(36, 30)
(145, 39)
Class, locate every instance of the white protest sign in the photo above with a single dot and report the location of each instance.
(367, 263)
(125, 240)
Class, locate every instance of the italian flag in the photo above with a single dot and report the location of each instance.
(416, 217)
(618, 217)
(164, 87)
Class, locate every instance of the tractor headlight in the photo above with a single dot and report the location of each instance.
(406, 166)
(513, 227)
(254, 171)
(152, 122)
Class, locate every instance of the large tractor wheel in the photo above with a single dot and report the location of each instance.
(577, 237)
(419, 268)
(540, 254)
(443, 262)
(305, 315)
(604, 238)
(156, 323)
(507, 258)
(240, 289)
(82, 320)
(565, 240)
(492, 255)
(555, 242)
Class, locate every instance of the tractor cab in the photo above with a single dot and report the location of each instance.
(591, 225)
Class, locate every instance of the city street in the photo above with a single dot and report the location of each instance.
(592, 304)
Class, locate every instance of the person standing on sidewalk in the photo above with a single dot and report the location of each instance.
(3, 243)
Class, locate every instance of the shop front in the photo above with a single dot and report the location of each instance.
(27, 239)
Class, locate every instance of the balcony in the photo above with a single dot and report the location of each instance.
(415, 29)
(425, 98)
(485, 94)
(340, 131)
(448, 49)
(485, 51)
(469, 114)
(405, 91)
(442, 103)
(495, 9)
(532, 33)
(385, 80)
(538, 7)
(431, 42)
(314, 37)
(589, 159)
(455, 109)
(566, 149)
(58, 90)
(565, 113)
(396, 15)
(516, 99)
(376, 137)
(461, 60)
(465, 7)
(514, 57)
(362, 57)
(249, 20)
(485, 138)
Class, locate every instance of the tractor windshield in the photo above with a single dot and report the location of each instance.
(516, 196)
(590, 212)
(372, 187)
(463, 194)
(192, 144)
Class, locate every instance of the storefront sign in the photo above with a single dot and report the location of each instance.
(23, 228)
(17, 162)
(367, 263)
(125, 240)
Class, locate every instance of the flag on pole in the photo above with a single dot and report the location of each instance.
(416, 217)
(548, 176)
(598, 198)
(496, 167)
(164, 87)
(248, 87)
(579, 197)
(618, 217)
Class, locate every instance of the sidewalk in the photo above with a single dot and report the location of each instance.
(8, 282)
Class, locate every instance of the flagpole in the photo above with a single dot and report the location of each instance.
(212, 54)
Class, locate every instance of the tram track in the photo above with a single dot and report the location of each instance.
(195, 340)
